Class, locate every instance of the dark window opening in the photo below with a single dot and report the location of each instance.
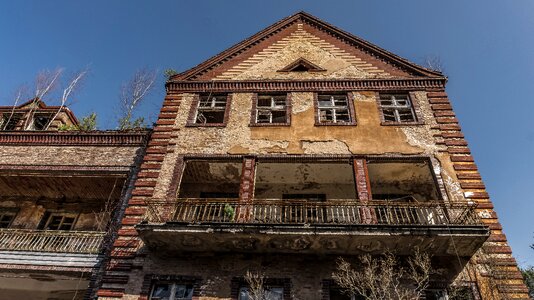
(6, 218)
(211, 109)
(40, 122)
(397, 108)
(339, 294)
(269, 293)
(9, 122)
(171, 291)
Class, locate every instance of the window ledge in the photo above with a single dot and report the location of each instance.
(390, 123)
(336, 124)
(269, 125)
(206, 125)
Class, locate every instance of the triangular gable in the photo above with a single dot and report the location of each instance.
(365, 57)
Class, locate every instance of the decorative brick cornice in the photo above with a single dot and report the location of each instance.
(399, 84)
(75, 138)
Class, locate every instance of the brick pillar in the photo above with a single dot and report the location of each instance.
(363, 188)
(246, 189)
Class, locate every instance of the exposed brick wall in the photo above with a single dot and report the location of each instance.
(125, 248)
(495, 253)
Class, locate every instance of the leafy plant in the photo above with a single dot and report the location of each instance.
(229, 212)
(87, 123)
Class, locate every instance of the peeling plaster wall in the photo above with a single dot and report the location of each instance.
(303, 137)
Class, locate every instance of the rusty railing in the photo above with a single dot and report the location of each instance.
(51, 240)
(348, 212)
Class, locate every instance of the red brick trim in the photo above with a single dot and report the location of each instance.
(253, 86)
(255, 106)
(75, 138)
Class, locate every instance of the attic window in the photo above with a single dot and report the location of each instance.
(9, 122)
(302, 65)
(40, 122)
(209, 110)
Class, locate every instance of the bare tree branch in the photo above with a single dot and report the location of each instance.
(19, 94)
(132, 94)
(45, 82)
(384, 278)
(73, 84)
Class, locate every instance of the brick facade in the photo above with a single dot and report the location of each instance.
(436, 137)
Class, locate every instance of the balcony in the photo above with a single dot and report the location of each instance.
(298, 226)
(50, 247)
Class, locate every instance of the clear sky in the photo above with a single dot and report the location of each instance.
(486, 47)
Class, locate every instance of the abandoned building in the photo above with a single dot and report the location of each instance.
(61, 194)
(295, 147)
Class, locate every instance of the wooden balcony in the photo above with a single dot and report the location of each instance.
(293, 226)
(83, 242)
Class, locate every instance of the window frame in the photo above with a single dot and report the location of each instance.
(254, 110)
(47, 219)
(238, 283)
(195, 105)
(8, 212)
(150, 280)
(173, 285)
(350, 107)
(415, 109)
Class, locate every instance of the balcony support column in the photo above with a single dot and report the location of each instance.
(363, 189)
(246, 189)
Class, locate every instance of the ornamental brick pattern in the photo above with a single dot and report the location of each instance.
(496, 252)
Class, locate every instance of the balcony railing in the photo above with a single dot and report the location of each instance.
(87, 242)
(331, 212)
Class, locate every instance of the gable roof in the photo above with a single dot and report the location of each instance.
(41, 107)
(407, 67)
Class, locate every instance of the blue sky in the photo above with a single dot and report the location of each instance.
(486, 47)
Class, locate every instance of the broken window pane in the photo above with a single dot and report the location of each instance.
(40, 122)
(271, 108)
(333, 109)
(9, 122)
(211, 109)
(397, 108)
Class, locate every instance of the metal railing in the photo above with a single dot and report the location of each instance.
(348, 212)
(51, 240)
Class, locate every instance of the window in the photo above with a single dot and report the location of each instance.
(6, 218)
(171, 291)
(270, 293)
(271, 109)
(209, 110)
(334, 109)
(9, 122)
(59, 221)
(397, 108)
(40, 122)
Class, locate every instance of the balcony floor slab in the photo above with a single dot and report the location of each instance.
(442, 240)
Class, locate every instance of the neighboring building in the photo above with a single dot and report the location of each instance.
(35, 115)
(298, 145)
(61, 194)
